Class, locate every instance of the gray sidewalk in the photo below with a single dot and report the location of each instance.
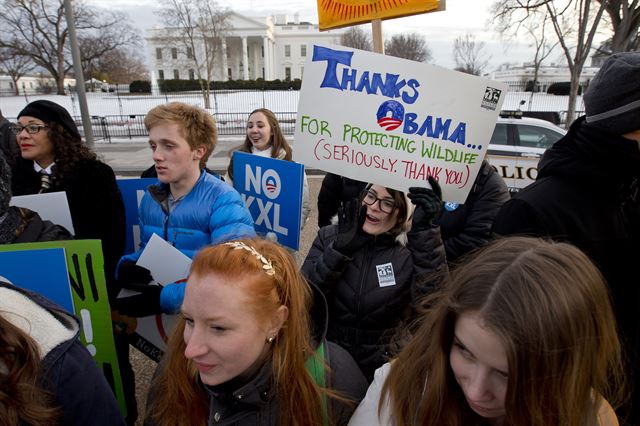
(130, 157)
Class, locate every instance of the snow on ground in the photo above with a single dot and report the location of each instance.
(235, 102)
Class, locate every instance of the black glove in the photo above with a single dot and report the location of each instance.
(140, 305)
(131, 275)
(428, 204)
(351, 237)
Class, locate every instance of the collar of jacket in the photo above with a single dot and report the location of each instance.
(160, 191)
(253, 395)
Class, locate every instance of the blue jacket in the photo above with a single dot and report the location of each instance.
(211, 213)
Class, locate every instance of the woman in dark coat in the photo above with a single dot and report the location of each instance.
(54, 158)
(372, 271)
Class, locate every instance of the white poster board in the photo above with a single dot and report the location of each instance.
(394, 122)
(52, 206)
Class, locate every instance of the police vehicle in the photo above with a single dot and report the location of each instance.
(516, 146)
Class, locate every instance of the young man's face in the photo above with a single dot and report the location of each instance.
(175, 161)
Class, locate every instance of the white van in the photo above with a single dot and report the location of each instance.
(516, 147)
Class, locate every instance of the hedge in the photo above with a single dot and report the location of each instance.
(144, 86)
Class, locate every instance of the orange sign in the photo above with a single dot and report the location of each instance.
(340, 13)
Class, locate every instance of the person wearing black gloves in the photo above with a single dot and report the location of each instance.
(372, 270)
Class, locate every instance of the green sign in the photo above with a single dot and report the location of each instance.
(88, 288)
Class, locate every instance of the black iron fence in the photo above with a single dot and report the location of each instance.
(119, 127)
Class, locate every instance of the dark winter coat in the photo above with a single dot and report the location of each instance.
(467, 226)
(587, 193)
(334, 191)
(371, 293)
(33, 229)
(67, 370)
(256, 402)
(95, 202)
(8, 144)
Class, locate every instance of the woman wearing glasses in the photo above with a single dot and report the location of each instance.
(372, 270)
(53, 159)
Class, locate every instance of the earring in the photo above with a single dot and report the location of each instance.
(270, 339)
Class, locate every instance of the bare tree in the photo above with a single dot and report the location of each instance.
(625, 22)
(198, 27)
(15, 66)
(575, 23)
(357, 38)
(469, 55)
(410, 46)
(38, 29)
(95, 46)
(120, 66)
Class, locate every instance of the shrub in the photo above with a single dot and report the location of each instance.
(140, 86)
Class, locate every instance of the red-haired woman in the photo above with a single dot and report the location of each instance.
(238, 354)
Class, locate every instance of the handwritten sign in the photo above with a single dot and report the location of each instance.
(394, 122)
(132, 191)
(340, 13)
(272, 191)
(85, 266)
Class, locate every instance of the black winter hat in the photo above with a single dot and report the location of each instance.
(612, 101)
(48, 112)
(5, 185)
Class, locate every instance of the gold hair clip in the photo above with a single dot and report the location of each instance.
(266, 264)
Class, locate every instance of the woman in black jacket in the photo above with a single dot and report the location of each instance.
(54, 158)
(372, 271)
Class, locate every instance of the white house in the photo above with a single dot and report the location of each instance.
(269, 48)
(31, 84)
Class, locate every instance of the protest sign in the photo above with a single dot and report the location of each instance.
(85, 267)
(132, 191)
(167, 265)
(394, 122)
(339, 13)
(272, 191)
(52, 206)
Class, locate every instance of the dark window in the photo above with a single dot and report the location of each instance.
(499, 136)
(303, 50)
(158, 53)
(287, 73)
(174, 53)
(536, 137)
(287, 50)
(192, 75)
(176, 74)
(160, 74)
(189, 53)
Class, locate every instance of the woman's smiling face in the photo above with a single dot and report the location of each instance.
(259, 131)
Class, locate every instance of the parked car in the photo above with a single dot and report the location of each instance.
(516, 146)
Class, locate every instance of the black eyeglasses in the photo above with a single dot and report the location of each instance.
(386, 205)
(32, 129)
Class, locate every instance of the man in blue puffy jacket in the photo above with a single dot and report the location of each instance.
(189, 208)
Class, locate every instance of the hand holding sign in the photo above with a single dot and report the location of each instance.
(351, 237)
(428, 204)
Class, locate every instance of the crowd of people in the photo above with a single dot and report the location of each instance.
(406, 310)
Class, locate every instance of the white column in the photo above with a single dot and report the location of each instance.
(245, 60)
(274, 73)
(265, 58)
(225, 65)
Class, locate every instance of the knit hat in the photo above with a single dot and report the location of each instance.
(5, 185)
(49, 112)
(612, 101)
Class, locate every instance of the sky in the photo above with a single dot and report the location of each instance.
(440, 28)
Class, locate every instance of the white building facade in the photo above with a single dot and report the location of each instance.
(268, 48)
(517, 76)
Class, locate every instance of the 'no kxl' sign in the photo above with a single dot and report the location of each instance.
(272, 191)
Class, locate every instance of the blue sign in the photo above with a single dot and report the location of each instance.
(50, 278)
(132, 191)
(272, 191)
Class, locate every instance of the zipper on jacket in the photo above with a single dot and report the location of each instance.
(363, 280)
